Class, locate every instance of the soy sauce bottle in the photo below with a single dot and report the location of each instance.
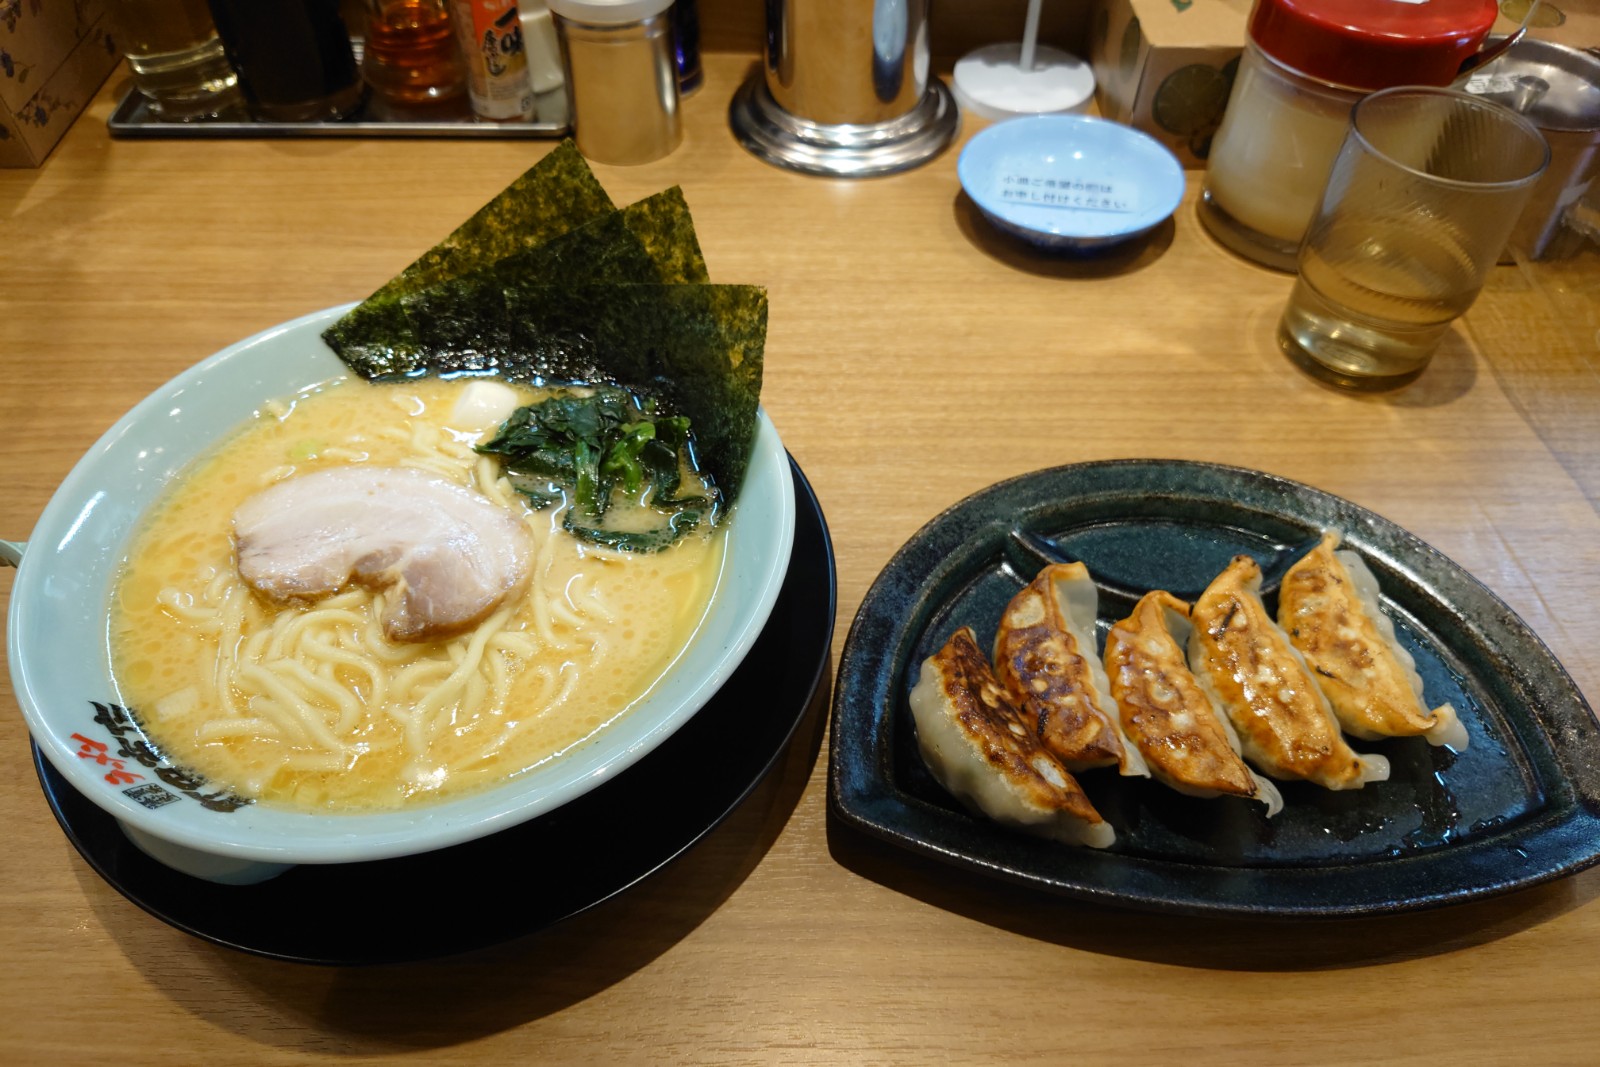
(293, 57)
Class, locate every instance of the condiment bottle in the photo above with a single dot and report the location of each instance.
(411, 56)
(490, 32)
(622, 77)
(294, 58)
(1305, 64)
(686, 45)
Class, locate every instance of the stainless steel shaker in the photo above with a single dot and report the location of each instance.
(621, 76)
(844, 89)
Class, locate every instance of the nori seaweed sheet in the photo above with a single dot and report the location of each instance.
(697, 348)
(665, 226)
(652, 240)
(549, 283)
(557, 194)
(466, 315)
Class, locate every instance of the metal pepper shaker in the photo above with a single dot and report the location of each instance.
(622, 77)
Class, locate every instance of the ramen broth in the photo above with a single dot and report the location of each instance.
(212, 669)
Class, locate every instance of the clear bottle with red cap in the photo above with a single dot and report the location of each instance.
(1305, 64)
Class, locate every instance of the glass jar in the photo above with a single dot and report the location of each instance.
(1305, 64)
(176, 59)
(412, 58)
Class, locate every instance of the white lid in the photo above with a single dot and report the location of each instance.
(992, 84)
(607, 12)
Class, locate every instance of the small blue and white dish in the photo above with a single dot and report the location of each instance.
(1070, 182)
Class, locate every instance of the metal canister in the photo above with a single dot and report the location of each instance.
(622, 77)
(845, 89)
(1558, 89)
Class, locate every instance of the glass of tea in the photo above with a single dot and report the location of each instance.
(1420, 202)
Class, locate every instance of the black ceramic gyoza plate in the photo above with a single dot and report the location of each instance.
(529, 876)
(1520, 806)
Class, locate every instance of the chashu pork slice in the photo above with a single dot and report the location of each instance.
(1246, 664)
(447, 556)
(1185, 740)
(985, 752)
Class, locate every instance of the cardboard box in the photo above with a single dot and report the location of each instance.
(1166, 67)
(54, 54)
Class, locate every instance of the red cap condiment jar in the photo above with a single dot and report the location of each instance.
(1305, 64)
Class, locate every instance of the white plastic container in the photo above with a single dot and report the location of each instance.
(1305, 65)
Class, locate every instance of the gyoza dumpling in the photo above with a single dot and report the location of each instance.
(1328, 604)
(1259, 680)
(986, 754)
(1046, 657)
(1185, 741)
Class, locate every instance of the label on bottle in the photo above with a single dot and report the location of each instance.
(491, 37)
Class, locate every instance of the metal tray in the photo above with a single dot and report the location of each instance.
(133, 118)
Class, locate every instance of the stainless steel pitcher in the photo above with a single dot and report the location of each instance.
(844, 89)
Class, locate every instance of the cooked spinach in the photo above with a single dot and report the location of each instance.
(589, 448)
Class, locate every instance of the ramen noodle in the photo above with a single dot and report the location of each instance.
(311, 705)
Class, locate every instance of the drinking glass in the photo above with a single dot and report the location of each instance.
(1422, 196)
(177, 62)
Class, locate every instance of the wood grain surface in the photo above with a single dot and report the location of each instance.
(914, 356)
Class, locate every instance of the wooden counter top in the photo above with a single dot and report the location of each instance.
(913, 357)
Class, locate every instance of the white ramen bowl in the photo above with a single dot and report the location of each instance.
(60, 661)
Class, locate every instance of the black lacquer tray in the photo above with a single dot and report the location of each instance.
(1520, 806)
(529, 876)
